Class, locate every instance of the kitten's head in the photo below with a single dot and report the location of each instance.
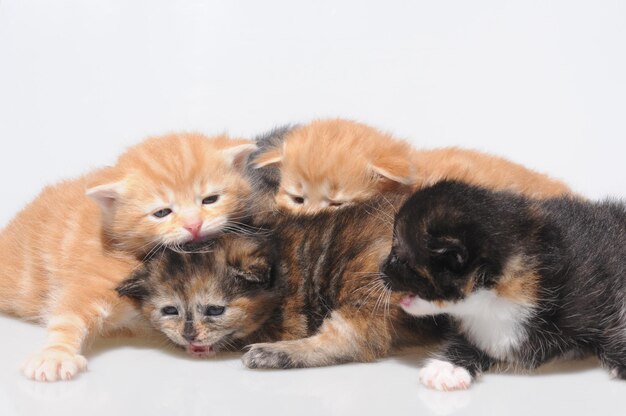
(173, 190)
(206, 302)
(328, 164)
(448, 243)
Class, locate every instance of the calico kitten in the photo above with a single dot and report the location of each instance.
(526, 281)
(63, 255)
(307, 294)
(328, 164)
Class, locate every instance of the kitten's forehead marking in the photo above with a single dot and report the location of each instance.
(209, 296)
(154, 165)
(167, 297)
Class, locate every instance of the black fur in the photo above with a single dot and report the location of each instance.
(266, 180)
(573, 254)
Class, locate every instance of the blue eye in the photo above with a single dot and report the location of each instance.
(169, 311)
(210, 199)
(214, 310)
(162, 213)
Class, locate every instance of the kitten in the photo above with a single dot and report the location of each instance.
(526, 281)
(328, 164)
(306, 294)
(63, 255)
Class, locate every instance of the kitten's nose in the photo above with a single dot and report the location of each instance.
(194, 228)
(189, 337)
(189, 332)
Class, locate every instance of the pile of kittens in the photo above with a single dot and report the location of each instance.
(316, 245)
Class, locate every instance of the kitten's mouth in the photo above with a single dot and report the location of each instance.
(407, 300)
(200, 351)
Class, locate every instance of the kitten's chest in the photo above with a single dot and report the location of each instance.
(493, 324)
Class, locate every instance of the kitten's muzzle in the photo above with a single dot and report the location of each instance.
(200, 351)
(394, 273)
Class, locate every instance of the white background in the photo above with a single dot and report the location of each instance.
(541, 82)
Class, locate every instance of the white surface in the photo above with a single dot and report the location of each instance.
(541, 82)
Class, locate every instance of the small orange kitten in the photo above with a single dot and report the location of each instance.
(65, 253)
(330, 163)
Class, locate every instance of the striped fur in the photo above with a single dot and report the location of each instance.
(315, 299)
(328, 164)
(60, 264)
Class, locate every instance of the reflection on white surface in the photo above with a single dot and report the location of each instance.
(444, 403)
(134, 376)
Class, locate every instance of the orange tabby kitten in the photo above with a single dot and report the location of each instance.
(65, 253)
(329, 163)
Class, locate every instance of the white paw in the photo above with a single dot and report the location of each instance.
(53, 366)
(442, 375)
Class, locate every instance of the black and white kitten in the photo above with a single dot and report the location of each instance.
(526, 281)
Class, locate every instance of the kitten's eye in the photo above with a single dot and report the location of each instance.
(297, 199)
(214, 310)
(335, 204)
(210, 200)
(162, 213)
(169, 311)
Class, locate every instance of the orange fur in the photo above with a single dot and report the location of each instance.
(63, 255)
(483, 169)
(328, 163)
(332, 162)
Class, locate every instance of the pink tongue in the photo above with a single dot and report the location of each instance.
(198, 348)
(407, 300)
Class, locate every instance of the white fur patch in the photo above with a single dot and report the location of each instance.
(493, 323)
(442, 375)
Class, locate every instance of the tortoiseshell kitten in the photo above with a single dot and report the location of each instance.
(526, 281)
(208, 301)
(312, 284)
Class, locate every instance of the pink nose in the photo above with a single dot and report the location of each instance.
(194, 228)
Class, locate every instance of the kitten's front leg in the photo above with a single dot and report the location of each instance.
(457, 366)
(69, 325)
(337, 341)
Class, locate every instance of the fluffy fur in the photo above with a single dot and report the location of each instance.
(63, 255)
(331, 163)
(526, 281)
(483, 169)
(312, 284)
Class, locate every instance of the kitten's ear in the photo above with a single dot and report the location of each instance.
(450, 252)
(395, 169)
(236, 156)
(274, 156)
(136, 285)
(106, 195)
(253, 270)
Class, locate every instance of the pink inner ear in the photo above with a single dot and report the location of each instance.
(271, 157)
(404, 180)
(105, 195)
(237, 155)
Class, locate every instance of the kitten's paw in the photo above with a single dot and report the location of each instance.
(618, 373)
(54, 365)
(266, 356)
(442, 375)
